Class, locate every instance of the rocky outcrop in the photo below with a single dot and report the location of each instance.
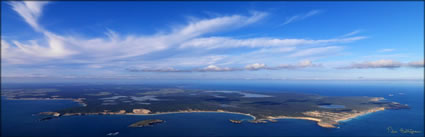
(56, 114)
(235, 121)
(144, 123)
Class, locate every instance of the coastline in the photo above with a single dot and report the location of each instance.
(329, 123)
(80, 101)
(197, 111)
(322, 123)
(334, 122)
(362, 114)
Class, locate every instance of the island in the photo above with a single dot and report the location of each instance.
(262, 107)
(148, 122)
(235, 121)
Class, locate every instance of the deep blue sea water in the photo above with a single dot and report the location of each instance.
(17, 118)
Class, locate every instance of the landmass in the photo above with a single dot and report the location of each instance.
(148, 122)
(263, 107)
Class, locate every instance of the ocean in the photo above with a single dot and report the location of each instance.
(17, 117)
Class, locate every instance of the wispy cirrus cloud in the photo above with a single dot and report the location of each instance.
(301, 64)
(355, 32)
(224, 42)
(248, 44)
(30, 12)
(301, 16)
(53, 47)
(112, 47)
(386, 50)
(320, 51)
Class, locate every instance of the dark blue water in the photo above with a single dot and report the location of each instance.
(17, 119)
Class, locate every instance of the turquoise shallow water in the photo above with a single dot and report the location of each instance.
(17, 118)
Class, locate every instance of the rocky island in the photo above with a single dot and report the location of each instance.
(235, 121)
(148, 122)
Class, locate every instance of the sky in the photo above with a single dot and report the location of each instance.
(212, 40)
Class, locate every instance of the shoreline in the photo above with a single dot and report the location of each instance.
(322, 123)
(79, 100)
(177, 112)
(362, 114)
(336, 121)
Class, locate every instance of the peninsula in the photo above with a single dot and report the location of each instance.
(263, 107)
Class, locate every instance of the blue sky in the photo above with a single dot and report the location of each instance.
(212, 40)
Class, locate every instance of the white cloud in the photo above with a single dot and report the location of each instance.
(301, 64)
(316, 51)
(169, 69)
(215, 68)
(209, 68)
(55, 48)
(355, 32)
(386, 50)
(224, 42)
(30, 11)
(211, 25)
(275, 50)
(134, 51)
(301, 16)
(114, 47)
(375, 64)
(255, 66)
(305, 63)
(186, 61)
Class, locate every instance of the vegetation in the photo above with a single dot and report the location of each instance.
(144, 123)
(160, 100)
